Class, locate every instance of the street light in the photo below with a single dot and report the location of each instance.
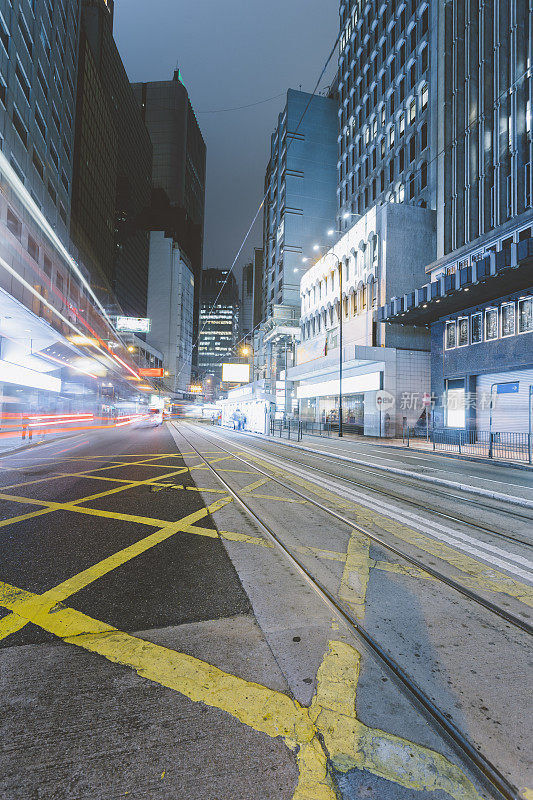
(339, 264)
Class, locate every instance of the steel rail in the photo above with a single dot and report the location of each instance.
(461, 520)
(461, 743)
(381, 472)
(509, 617)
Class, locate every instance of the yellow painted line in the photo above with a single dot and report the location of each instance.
(331, 718)
(22, 517)
(71, 586)
(351, 744)
(230, 536)
(280, 499)
(355, 576)
(158, 487)
(475, 574)
(266, 710)
(238, 471)
(81, 580)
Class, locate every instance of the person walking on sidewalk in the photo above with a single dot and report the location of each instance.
(26, 427)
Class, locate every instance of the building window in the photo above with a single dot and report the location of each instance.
(391, 138)
(3, 92)
(39, 119)
(491, 324)
(412, 149)
(54, 155)
(14, 224)
(412, 111)
(401, 127)
(4, 34)
(47, 266)
(38, 164)
(42, 80)
(462, 331)
(424, 98)
(401, 89)
(508, 319)
(450, 335)
(424, 60)
(425, 20)
(476, 330)
(424, 136)
(33, 248)
(20, 127)
(411, 183)
(52, 192)
(401, 193)
(23, 80)
(525, 315)
(423, 175)
(25, 32)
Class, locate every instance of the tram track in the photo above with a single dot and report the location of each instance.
(485, 769)
(498, 611)
(409, 501)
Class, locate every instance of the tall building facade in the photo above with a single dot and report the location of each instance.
(179, 168)
(170, 309)
(485, 130)
(59, 351)
(251, 295)
(387, 101)
(38, 73)
(300, 185)
(219, 321)
(477, 299)
(112, 179)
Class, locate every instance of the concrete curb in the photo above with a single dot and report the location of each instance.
(504, 498)
(32, 446)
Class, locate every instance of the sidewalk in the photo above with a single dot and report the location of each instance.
(420, 445)
(477, 476)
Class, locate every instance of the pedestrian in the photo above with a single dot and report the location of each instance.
(26, 427)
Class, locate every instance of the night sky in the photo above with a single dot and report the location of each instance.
(230, 54)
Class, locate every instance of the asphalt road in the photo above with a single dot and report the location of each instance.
(154, 645)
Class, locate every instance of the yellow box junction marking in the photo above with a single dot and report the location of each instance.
(476, 574)
(261, 708)
(331, 717)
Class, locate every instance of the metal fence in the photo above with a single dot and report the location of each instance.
(505, 445)
(295, 429)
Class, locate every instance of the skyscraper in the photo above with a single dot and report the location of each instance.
(387, 99)
(300, 184)
(477, 300)
(113, 156)
(38, 68)
(178, 175)
(219, 321)
(251, 294)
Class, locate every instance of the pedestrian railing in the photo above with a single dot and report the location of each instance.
(505, 445)
(295, 429)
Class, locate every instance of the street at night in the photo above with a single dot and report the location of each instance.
(156, 641)
(266, 400)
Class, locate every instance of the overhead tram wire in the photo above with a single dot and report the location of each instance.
(416, 171)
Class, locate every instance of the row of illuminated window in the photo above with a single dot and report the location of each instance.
(387, 85)
(387, 141)
(414, 182)
(509, 319)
